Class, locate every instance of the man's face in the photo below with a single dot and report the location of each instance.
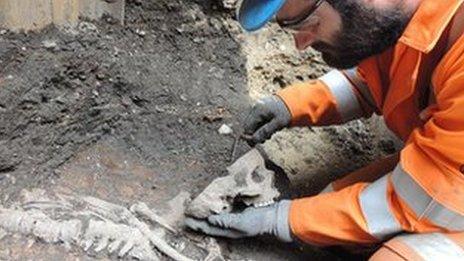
(350, 31)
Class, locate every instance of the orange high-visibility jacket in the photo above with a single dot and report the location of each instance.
(418, 86)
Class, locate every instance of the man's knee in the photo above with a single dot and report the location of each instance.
(430, 246)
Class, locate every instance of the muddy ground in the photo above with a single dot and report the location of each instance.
(131, 113)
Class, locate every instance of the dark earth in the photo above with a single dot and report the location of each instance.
(154, 91)
(149, 92)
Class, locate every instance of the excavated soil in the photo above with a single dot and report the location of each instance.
(131, 113)
(148, 85)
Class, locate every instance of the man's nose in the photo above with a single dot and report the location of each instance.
(303, 40)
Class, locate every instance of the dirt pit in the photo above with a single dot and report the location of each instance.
(131, 113)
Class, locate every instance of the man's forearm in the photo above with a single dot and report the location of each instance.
(334, 98)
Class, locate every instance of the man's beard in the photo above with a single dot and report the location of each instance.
(365, 32)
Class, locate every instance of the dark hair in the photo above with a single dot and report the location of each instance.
(366, 31)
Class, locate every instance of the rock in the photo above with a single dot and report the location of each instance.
(225, 130)
(229, 4)
(49, 44)
(248, 182)
(159, 109)
(198, 40)
(100, 76)
(140, 32)
(86, 27)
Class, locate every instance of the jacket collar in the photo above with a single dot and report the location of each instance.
(428, 23)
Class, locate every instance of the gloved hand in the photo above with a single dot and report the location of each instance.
(267, 116)
(271, 220)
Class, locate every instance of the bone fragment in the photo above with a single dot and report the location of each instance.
(124, 214)
(143, 210)
(104, 241)
(114, 245)
(214, 251)
(126, 248)
(131, 241)
(158, 242)
(39, 225)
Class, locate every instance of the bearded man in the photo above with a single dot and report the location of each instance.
(404, 60)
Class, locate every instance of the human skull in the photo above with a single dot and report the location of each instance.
(248, 182)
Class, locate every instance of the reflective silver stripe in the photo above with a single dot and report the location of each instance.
(423, 205)
(361, 86)
(327, 189)
(340, 86)
(433, 246)
(376, 209)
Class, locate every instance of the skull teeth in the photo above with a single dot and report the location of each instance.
(263, 204)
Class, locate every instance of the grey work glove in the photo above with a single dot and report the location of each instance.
(271, 220)
(267, 116)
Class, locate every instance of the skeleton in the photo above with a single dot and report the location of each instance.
(100, 227)
(34, 222)
(92, 224)
(248, 182)
(143, 210)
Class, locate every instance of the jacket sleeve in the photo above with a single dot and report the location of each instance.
(433, 158)
(335, 98)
